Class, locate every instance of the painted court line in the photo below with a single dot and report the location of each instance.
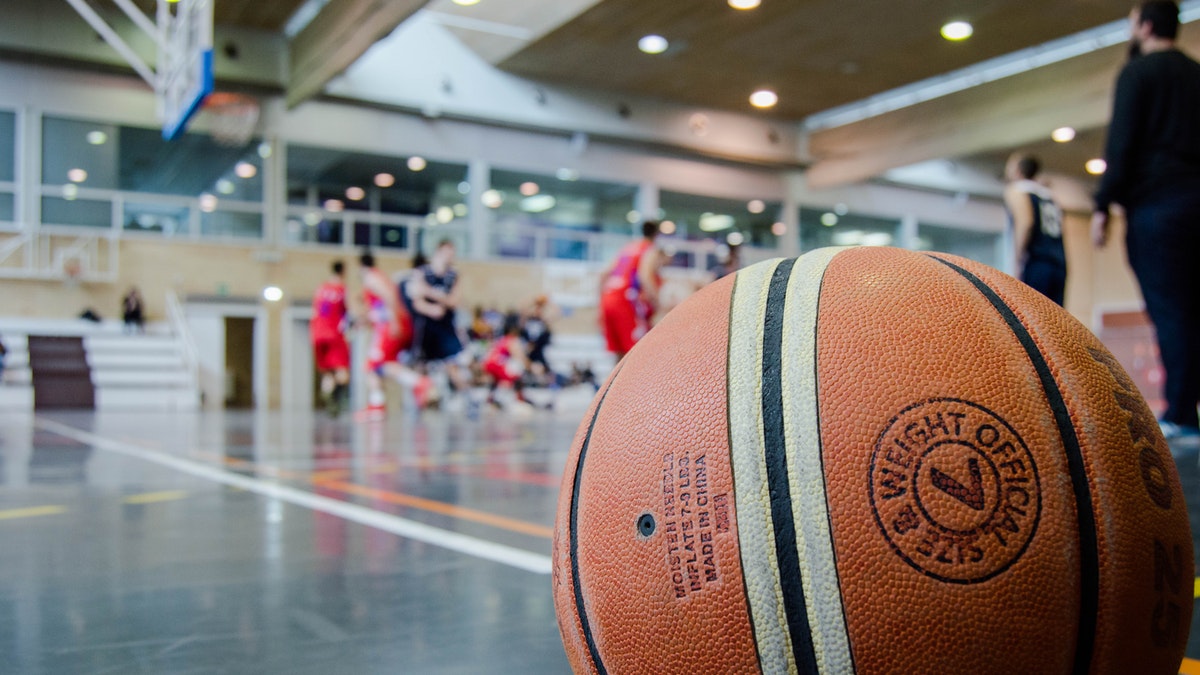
(31, 511)
(460, 543)
(1189, 667)
(155, 497)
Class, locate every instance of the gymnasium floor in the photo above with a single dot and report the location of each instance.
(269, 543)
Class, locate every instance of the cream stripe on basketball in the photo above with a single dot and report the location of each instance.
(752, 501)
(805, 473)
(756, 531)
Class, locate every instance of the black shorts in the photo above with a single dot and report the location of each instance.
(438, 340)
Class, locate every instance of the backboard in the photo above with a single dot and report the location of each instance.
(185, 61)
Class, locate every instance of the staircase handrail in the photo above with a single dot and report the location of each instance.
(179, 327)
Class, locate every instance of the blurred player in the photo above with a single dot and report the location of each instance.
(629, 292)
(328, 339)
(435, 294)
(506, 362)
(392, 330)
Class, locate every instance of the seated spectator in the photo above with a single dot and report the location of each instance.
(131, 310)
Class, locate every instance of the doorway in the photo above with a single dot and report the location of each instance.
(239, 362)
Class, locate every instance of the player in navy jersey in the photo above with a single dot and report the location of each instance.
(435, 294)
(1036, 223)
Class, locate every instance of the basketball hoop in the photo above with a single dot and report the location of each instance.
(232, 118)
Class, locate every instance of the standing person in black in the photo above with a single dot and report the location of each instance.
(435, 295)
(1153, 156)
(1037, 228)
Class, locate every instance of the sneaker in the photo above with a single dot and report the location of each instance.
(422, 391)
(1180, 435)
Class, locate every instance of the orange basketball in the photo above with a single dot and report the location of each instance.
(871, 461)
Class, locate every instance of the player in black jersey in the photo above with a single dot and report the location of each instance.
(435, 295)
(1036, 223)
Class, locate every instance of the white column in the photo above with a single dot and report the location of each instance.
(479, 217)
(646, 203)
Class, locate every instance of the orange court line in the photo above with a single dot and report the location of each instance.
(439, 507)
(1189, 667)
(401, 499)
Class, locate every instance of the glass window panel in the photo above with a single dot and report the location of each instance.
(137, 159)
(165, 219)
(534, 200)
(231, 224)
(369, 182)
(8, 210)
(8, 147)
(820, 228)
(698, 217)
(83, 212)
(981, 247)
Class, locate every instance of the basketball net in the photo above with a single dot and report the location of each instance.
(231, 118)
(72, 271)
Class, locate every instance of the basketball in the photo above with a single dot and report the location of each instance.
(871, 460)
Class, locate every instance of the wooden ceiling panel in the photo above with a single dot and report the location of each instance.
(817, 54)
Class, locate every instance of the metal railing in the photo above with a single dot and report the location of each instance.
(179, 327)
(60, 254)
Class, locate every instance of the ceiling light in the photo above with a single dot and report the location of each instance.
(957, 30)
(779, 229)
(492, 199)
(1096, 166)
(841, 209)
(70, 192)
(460, 210)
(466, 3)
(385, 180)
(735, 239)
(76, 175)
(829, 219)
(416, 164)
(633, 217)
(667, 227)
(653, 44)
(334, 205)
(245, 170)
(876, 239)
(226, 186)
(272, 294)
(756, 206)
(1063, 135)
(208, 203)
(312, 218)
(464, 188)
(567, 174)
(763, 98)
(529, 188)
(537, 203)
(715, 222)
(744, 4)
(97, 137)
(264, 149)
(444, 214)
(355, 193)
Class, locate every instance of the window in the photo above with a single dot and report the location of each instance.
(820, 228)
(979, 246)
(8, 166)
(697, 217)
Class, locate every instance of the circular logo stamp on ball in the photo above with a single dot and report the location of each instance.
(954, 490)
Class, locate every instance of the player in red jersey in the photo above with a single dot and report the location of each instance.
(328, 340)
(391, 334)
(629, 292)
(506, 362)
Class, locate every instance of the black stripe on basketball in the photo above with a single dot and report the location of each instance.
(775, 451)
(578, 587)
(1089, 555)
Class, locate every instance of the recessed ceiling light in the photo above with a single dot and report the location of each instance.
(667, 227)
(653, 44)
(272, 294)
(744, 4)
(756, 206)
(492, 199)
(466, 3)
(226, 186)
(538, 203)
(1096, 166)
(245, 170)
(764, 98)
(715, 222)
(735, 239)
(77, 175)
(355, 193)
(1063, 135)
(208, 203)
(957, 30)
(416, 163)
(334, 205)
(529, 188)
(385, 180)
(97, 137)
(829, 219)
(444, 214)
(779, 229)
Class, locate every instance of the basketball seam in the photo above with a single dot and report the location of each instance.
(786, 553)
(577, 585)
(1089, 563)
